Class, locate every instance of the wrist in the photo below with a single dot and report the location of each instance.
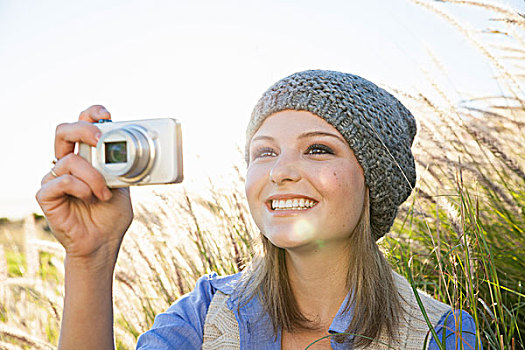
(102, 260)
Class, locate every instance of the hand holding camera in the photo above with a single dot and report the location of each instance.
(86, 217)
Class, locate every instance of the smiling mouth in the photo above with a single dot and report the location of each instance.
(292, 204)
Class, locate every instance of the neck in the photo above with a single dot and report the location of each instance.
(318, 279)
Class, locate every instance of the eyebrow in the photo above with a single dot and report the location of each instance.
(302, 136)
(320, 133)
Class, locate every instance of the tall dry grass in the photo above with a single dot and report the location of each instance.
(462, 233)
(459, 236)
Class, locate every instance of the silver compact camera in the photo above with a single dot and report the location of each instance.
(139, 152)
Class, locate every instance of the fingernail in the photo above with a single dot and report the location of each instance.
(97, 135)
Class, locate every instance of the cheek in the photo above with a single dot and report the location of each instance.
(255, 177)
(249, 185)
(345, 187)
(333, 181)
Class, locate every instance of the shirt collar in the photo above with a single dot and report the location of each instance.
(251, 310)
(254, 309)
(343, 318)
(225, 284)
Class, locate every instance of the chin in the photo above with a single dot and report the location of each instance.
(290, 239)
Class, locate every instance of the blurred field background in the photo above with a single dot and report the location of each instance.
(460, 236)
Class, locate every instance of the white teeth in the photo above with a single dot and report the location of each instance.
(295, 204)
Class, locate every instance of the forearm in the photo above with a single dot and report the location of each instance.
(87, 321)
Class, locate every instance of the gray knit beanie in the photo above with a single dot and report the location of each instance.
(377, 127)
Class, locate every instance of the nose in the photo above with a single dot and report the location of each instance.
(285, 169)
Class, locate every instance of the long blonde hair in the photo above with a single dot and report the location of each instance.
(375, 299)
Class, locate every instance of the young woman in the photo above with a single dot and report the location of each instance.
(329, 163)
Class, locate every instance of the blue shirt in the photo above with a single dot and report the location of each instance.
(182, 325)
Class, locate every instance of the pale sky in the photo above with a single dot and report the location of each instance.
(203, 62)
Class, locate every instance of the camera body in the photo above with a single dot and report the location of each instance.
(139, 152)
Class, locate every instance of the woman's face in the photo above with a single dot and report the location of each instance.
(304, 185)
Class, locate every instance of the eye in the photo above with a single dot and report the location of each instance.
(263, 153)
(319, 149)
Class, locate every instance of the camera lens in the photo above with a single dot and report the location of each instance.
(127, 152)
(115, 152)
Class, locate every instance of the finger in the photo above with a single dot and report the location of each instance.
(48, 177)
(67, 134)
(58, 188)
(65, 142)
(94, 114)
(81, 169)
